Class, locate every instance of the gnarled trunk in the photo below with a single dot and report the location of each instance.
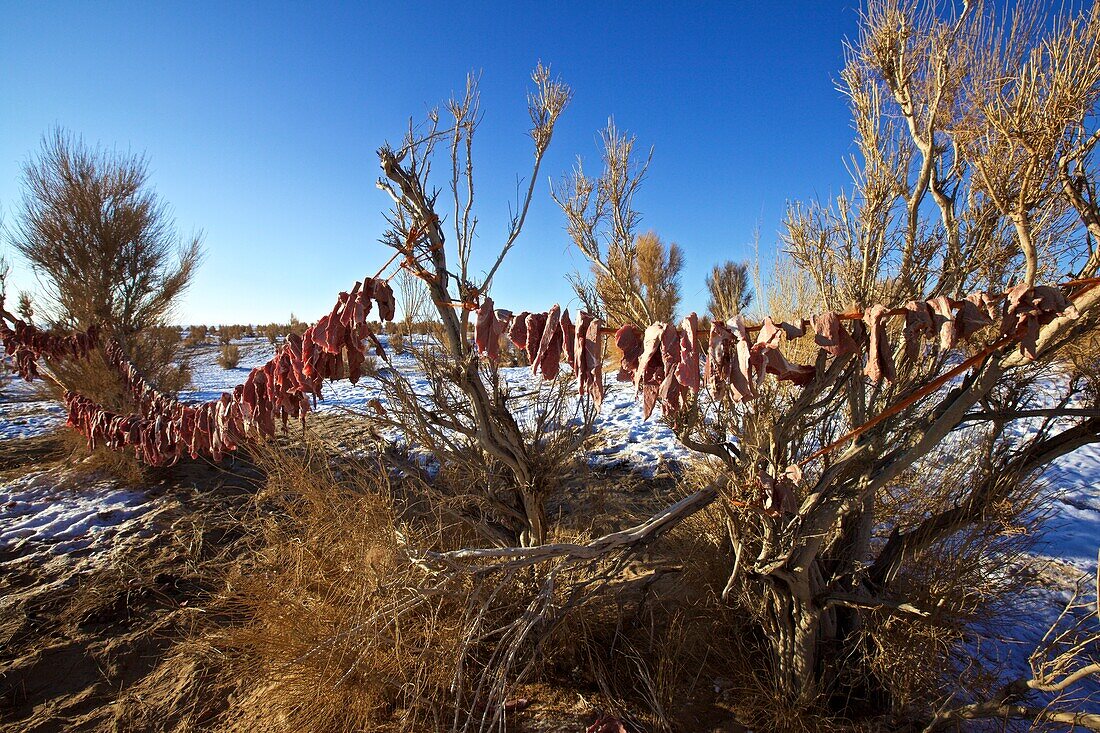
(797, 627)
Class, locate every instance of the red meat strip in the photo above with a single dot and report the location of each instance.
(628, 339)
(547, 360)
(918, 323)
(517, 332)
(383, 295)
(587, 360)
(720, 356)
(502, 322)
(777, 495)
(768, 358)
(830, 335)
(741, 368)
(880, 355)
(593, 356)
(986, 303)
(568, 336)
(943, 316)
(483, 326)
(972, 317)
(661, 343)
(671, 391)
(1027, 309)
(536, 323)
(687, 370)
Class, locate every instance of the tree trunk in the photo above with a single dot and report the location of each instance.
(534, 534)
(795, 625)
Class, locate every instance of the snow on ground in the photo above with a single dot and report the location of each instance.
(1065, 555)
(46, 509)
(22, 414)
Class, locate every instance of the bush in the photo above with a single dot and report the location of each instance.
(86, 215)
(196, 335)
(229, 356)
(397, 341)
(231, 333)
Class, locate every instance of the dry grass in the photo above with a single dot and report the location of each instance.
(338, 634)
(336, 626)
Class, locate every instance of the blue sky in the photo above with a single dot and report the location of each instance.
(260, 123)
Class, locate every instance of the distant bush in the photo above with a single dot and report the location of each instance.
(397, 341)
(167, 334)
(370, 367)
(196, 335)
(229, 356)
(295, 326)
(229, 333)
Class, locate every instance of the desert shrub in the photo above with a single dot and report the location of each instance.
(229, 356)
(551, 423)
(227, 333)
(338, 637)
(87, 214)
(344, 627)
(729, 288)
(397, 341)
(25, 306)
(272, 332)
(295, 326)
(371, 365)
(196, 335)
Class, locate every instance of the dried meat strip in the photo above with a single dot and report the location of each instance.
(880, 355)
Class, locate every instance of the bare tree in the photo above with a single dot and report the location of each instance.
(729, 288)
(928, 93)
(481, 417)
(100, 238)
(602, 222)
(104, 247)
(413, 296)
(975, 171)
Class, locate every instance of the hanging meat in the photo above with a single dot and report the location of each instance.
(687, 369)
(943, 316)
(26, 344)
(489, 326)
(517, 332)
(587, 358)
(628, 340)
(880, 355)
(164, 429)
(830, 335)
(720, 358)
(547, 359)
(741, 369)
(655, 377)
(768, 358)
(918, 324)
(1027, 309)
(568, 336)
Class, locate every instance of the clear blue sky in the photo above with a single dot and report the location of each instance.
(260, 122)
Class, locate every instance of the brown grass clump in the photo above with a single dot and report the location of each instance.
(342, 626)
(340, 632)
